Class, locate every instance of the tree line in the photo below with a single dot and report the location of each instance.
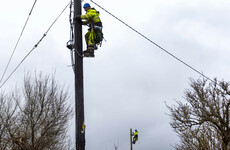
(35, 117)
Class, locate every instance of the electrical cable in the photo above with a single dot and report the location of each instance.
(18, 41)
(35, 46)
(154, 43)
(72, 36)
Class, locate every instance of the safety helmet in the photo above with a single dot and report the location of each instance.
(86, 5)
(136, 130)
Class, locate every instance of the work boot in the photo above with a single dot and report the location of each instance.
(89, 53)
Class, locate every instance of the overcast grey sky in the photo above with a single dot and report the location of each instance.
(129, 81)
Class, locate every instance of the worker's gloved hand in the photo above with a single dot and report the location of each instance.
(78, 17)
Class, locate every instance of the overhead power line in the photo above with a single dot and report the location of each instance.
(18, 41)
(35, 46)
(154, 43)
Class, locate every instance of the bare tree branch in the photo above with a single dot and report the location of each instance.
(38, 119)
(203, 122)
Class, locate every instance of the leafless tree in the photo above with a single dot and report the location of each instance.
(203, 122)
(37, 118)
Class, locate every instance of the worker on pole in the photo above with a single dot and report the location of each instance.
(135, 136)
(94, 36)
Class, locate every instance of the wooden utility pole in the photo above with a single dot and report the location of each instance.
(131, 139)
(79, 93)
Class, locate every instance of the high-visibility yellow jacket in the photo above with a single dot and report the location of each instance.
(91, 17)
(135, 133)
